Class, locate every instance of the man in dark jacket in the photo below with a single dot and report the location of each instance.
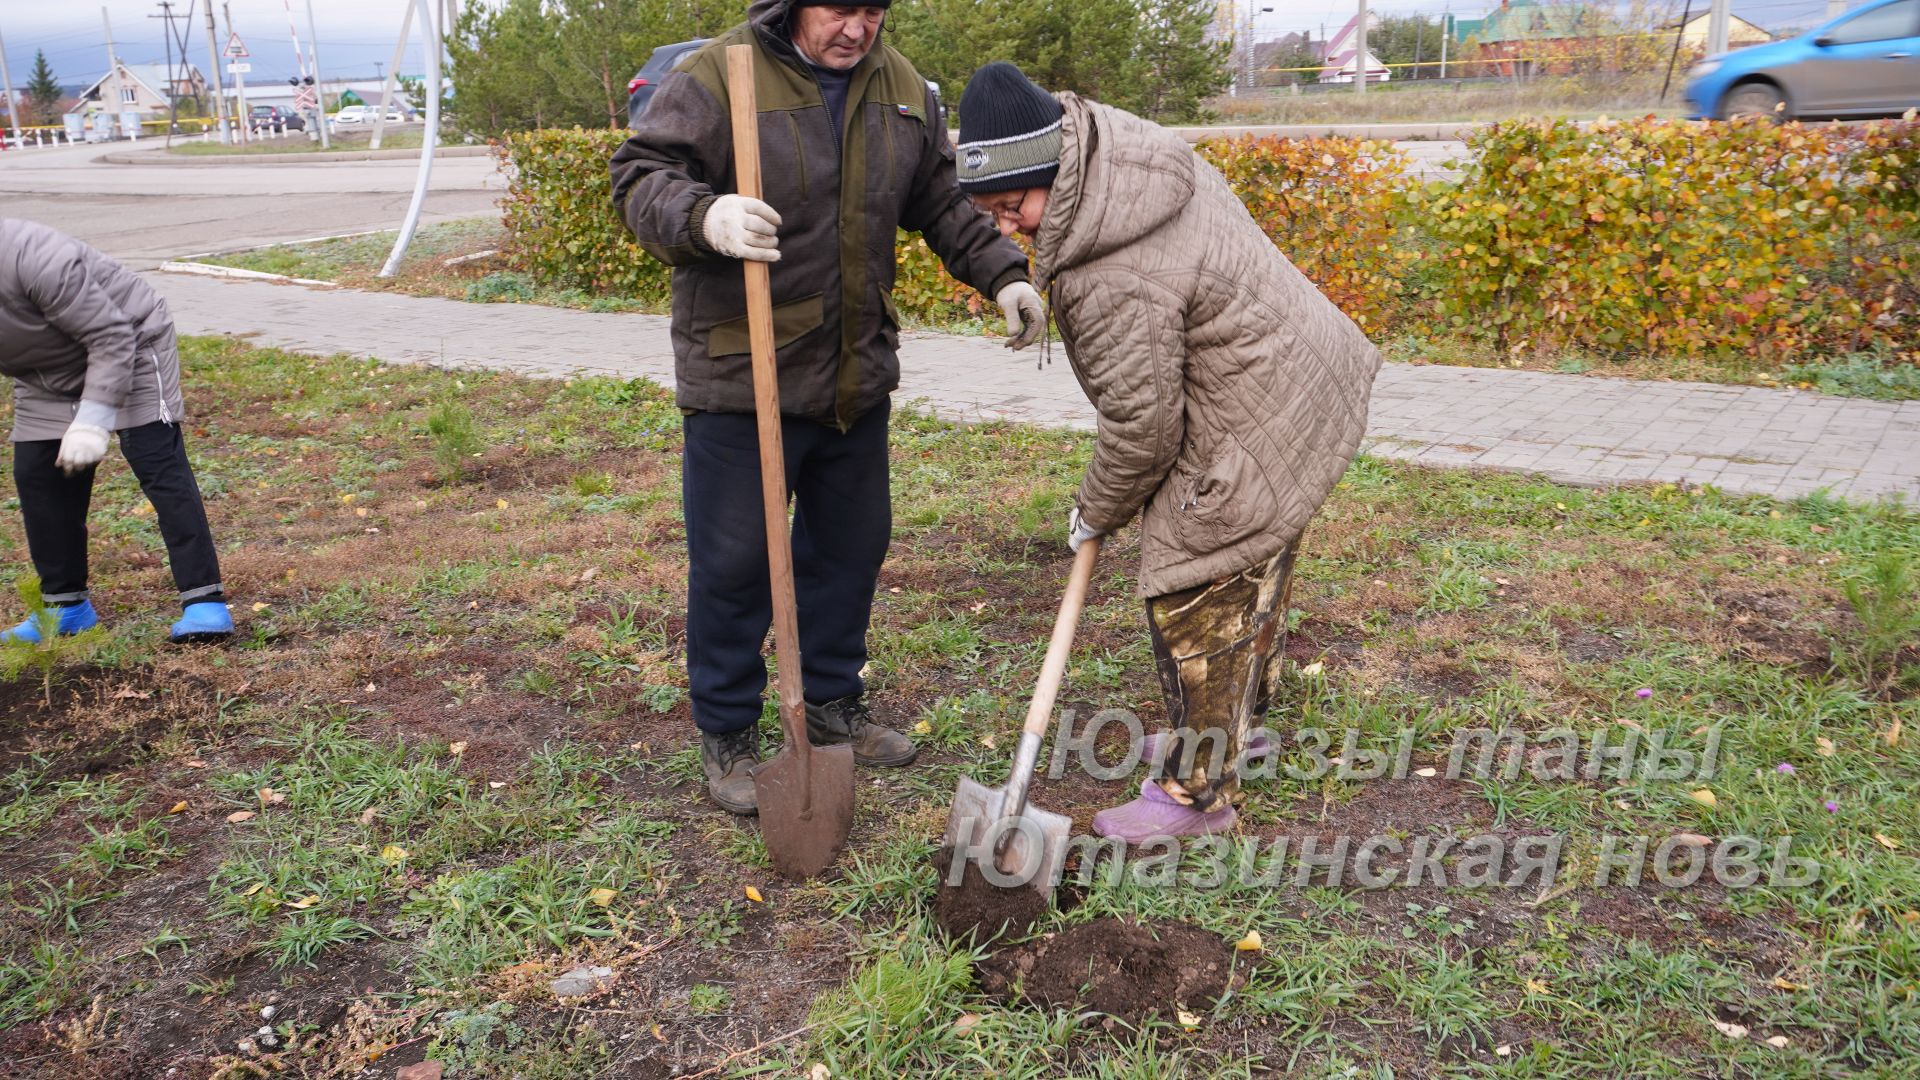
(852, 149)
(90, 348)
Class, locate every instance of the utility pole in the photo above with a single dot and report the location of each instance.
(240, 117)
(320, 87)
(173, 99)
(1446, 31)
(219, 86)
(1361, 58)
(13, 103)
(1717, 28)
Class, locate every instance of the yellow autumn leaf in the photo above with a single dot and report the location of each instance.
(1538, 986)
(1188, 1020)
(456, 749)
(304, 902)
(1250, 943)
(753, 894)
(1314, 668)
(239, 816)
(1705, 797)
(1893, 733)
(1823, 746)
(259, 607)
(923, 727)
(500, 503)
(1783, 984)
(1887, 842)
(254, 888)
(602, 897)
(393, 854)
(178, 808)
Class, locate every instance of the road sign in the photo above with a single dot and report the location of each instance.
(238, 68)
(235, 47)
(304, 99)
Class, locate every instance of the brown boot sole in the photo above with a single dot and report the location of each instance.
(743, 809)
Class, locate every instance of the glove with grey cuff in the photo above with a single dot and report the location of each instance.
(1020, 301)
(1078, 531)
(742, 228)
(85, 442)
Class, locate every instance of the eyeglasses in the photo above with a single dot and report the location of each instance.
(998, 207)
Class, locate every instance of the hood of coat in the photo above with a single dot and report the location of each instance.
(1121, 178)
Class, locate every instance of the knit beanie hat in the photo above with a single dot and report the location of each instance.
(1009, 132)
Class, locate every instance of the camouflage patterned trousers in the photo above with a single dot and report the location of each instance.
(1212, 646)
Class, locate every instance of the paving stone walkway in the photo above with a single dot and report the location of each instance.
(1582, 430)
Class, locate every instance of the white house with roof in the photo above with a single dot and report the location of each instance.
(141, 88)
(1342, 55)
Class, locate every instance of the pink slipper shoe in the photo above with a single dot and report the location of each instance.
(1156, 814)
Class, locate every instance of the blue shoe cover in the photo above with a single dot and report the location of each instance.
(73, 619)
(206, 621)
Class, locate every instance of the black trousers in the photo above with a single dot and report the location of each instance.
(55, 508)
(842, 523)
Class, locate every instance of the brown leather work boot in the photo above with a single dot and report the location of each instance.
(847, 720)
(726, 759)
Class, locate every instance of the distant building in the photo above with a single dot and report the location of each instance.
(1342, 58)
(1740, 32)
(141, 88)
(1523, 37)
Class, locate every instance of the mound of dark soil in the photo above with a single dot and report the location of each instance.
(978, 909)
(1126, 970)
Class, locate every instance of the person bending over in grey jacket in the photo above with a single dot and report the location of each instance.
(90, 347)
(1231, 395)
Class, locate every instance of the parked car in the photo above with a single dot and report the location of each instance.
(1864, 64)
(641, 87)
(264, 117)
(351, 115)
(667, 57)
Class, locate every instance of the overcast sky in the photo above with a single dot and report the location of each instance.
(356, 36)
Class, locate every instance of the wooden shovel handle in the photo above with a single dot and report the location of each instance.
(766, 407)
(1052, 670)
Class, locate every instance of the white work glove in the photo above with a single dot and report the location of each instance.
(742, 228)
(85, 442)
(1079, 532)
(1020, 302)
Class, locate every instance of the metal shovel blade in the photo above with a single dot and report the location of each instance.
(804, 839)
(1035, 844)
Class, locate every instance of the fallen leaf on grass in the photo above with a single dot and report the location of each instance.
(1782, 984)
(987, 741)
(1314, 668)
(753, 894)
(1538, 986)
(1893, 733)
(1731, 1031)
(602, 897)
(1692, 839)
(304, 902)
(923, 727)
(254, 888)
(367, 815)
(259, 607)
(1250, 943)
(589, 573)
(966, 1023)
(196, 763)
(500, 503)
(178, 808)
(270, 797)
(1887, 842)
(393, 854)
(1427, 773)
(819, 1071)
(1779, 1042)
(127, 693)
(1705, 797)
(239, 816)
(456, 749)
(1823, 746)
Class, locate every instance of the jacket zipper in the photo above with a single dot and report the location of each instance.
(799, 154)
(160, 387)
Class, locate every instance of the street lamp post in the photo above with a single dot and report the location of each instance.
(1246, 50)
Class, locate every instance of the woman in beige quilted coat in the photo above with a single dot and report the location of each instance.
(1231, 396)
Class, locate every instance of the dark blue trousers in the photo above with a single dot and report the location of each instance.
(842, 522)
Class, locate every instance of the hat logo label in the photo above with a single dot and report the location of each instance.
(976, 159)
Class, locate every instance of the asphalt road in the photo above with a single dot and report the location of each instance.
(146, 214)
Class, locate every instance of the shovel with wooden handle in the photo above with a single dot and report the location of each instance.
(805, 792)
(1024, 843)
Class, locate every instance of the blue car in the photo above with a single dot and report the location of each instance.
(1863, 64)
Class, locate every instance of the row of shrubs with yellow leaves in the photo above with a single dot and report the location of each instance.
(1753, 241)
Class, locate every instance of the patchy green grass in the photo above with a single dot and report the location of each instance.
(396, 137)
(448, 758)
